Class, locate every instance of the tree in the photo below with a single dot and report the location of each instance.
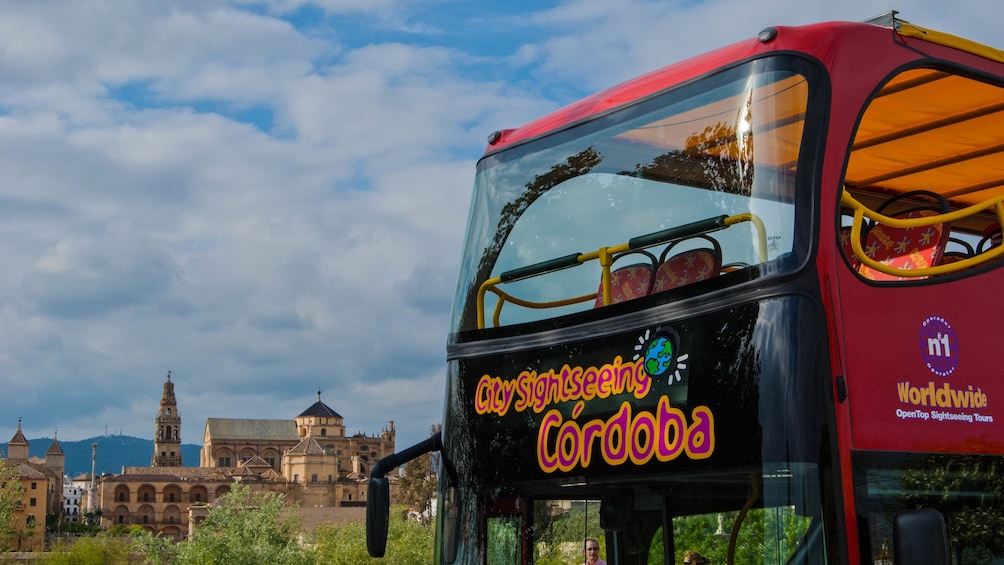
(766, 535)
(418, 482)
(156, 549)
(121, 545)
(247, 528)
(560, 535)
(966, 490)
(11, 492)
(408, 542)
(103, 549)
(85, 527)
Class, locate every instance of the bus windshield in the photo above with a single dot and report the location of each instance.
(708, 168)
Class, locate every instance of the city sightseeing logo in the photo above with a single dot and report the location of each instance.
(641, 430)
(659, 352)
(939, 347)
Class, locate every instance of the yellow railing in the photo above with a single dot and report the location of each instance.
(941, 38)
(861, 212)
(605, 256)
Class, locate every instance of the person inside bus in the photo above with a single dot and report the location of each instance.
(592, 551)
(691, 557)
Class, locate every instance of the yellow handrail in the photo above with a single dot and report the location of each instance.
(761, 231)
(605, 256)
(907, 29)
(506, 297)
(861, 211)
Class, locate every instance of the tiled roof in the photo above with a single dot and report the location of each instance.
(309, 446)
(320, 409)
(271, 475)
(255, 462)
(168, 474)
(244, 472)
(176, 472)
(258, 469)
(54, 449)
(219, 429)
(18, 438)
(29, 471)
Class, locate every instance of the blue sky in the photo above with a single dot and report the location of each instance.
(268, 198)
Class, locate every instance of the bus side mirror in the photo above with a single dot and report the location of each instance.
(378, 491)
(920, 538)
(377, 515)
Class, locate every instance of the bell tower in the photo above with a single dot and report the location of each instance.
(167, 441)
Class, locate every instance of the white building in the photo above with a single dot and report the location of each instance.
(73, 496)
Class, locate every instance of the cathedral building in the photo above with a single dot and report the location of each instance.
(309, 459)
(42, 487)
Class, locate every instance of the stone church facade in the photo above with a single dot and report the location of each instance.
(309, 459)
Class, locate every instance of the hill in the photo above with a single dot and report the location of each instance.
(114, 452)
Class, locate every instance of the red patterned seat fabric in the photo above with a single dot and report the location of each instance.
(686, 268)
(845, 244)
(627, 283)
(904, 248)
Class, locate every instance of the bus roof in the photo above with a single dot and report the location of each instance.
(808, 38)
(893, 140)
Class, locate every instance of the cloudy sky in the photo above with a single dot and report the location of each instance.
(268, 198)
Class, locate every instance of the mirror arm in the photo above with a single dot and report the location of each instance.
(387, 464)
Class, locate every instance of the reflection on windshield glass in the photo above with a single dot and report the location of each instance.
(967, 489)
(762, 518)
(560, 528)
(725, 149)
(503, 541)
(604, 210)
(759, 517)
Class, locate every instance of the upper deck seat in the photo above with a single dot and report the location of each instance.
(688, 267)
(907, 248)
(961, 250)
(630, 281)
(991, 238)
(845, 245)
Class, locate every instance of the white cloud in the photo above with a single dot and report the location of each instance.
(93, 274)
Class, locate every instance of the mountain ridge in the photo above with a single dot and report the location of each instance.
(114, 452)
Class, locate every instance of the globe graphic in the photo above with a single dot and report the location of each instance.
(659, 356)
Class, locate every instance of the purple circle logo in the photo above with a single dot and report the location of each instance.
(939, 348)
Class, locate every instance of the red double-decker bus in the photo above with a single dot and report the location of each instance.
(744, 306)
